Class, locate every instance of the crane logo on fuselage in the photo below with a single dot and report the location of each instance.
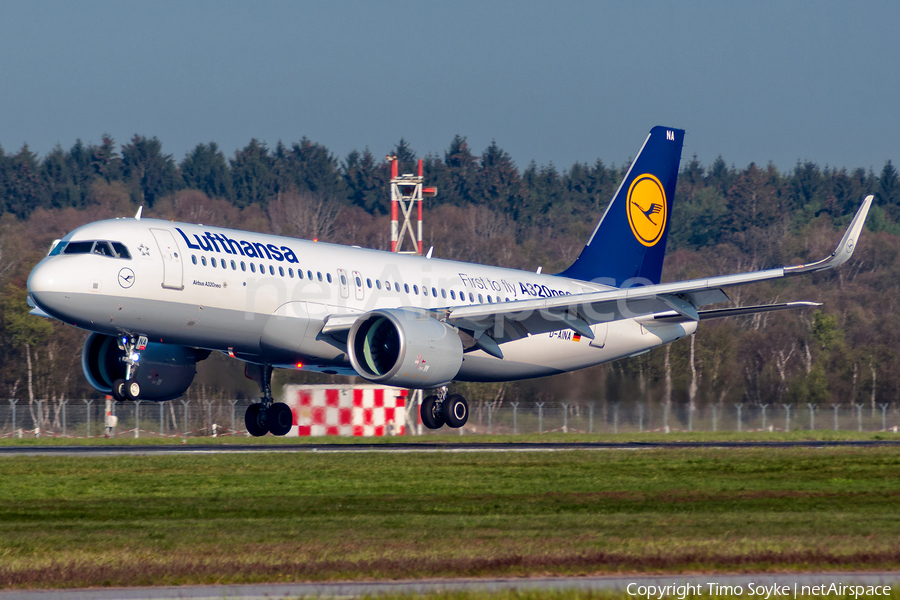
(212, 242)
(647, 209)
(126, 277)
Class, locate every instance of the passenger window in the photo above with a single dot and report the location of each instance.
(121, 250)
(471, 297)
(397, 287)
(262, 269)
(378, 284)
(452, 295)
(252, 268)
(359, 282)
(291, 273)
(78, 248)
(309, 275)
(443, 293)
(416, 290)
(281, 271)
(203, 260)
(193, 259)
(328, 275)
(343, 280)
(489, 299)
(434, 293)
(480, 299)
(369, 283)
(272, 270)
(406, 287)
(233, 266)
(243, 266)
(212, 261)
(319, 275)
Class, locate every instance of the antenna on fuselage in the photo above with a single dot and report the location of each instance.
(137, 217)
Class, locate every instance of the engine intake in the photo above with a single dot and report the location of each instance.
(405, 348)
(165, 372)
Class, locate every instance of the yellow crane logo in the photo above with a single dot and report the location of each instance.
(647, 209)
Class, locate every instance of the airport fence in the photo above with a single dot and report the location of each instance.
(215, 418)
(512, 417)
(88, 418)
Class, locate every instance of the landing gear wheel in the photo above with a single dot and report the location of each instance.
(132, 390)
(455, 411)
(279, 418)
(118, 390)
(255, 420)
(431, 413)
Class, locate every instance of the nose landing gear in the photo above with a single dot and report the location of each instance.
(266, 416)
(439, 409)
(129, 388)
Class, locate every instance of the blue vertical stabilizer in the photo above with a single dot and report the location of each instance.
(629, 244)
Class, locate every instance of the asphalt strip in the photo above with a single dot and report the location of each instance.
(754, 585)
(408, 447)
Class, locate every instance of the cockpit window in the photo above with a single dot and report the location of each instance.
(78, 248)
(101, 247)
(121, 250)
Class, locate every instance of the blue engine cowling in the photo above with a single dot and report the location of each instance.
(164, 372)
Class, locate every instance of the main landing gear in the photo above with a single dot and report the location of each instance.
(266, 416)
(129, 388)
(441, 409)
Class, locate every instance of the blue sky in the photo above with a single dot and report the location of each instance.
(549, 81)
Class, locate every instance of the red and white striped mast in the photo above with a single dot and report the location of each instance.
(406, 191)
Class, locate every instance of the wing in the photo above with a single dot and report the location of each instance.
(489, 325)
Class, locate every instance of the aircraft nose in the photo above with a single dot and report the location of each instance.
(42, 278)
(45, 283)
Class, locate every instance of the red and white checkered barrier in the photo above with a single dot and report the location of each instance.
(360, 410)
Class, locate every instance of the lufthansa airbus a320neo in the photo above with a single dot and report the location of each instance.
(158, 296)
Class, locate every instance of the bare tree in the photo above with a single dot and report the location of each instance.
(304, 215)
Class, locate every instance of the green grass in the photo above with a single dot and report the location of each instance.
(143, 520)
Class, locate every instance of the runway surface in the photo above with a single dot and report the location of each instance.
(195, 448)
(424, 586)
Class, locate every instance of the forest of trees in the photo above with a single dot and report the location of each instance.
(724, 219)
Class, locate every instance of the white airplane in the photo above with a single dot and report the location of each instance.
(158, 296)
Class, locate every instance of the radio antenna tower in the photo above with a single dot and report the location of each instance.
(407, 192)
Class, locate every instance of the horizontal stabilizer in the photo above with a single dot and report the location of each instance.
(720, 313)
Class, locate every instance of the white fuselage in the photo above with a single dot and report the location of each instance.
(266, 298)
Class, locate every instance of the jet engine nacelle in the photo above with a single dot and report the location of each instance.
(164, 372)
(404, 348)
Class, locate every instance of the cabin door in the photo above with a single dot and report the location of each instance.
(173, 270)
